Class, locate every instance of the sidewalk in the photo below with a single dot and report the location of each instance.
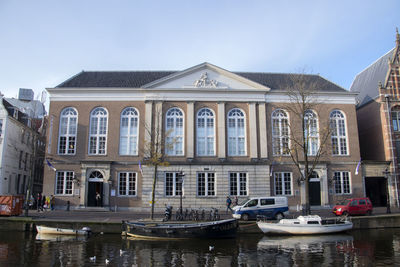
(117, 217)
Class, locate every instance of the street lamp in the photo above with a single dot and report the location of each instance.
(180, 176)
(387, 173)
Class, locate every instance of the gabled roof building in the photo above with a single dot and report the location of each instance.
(226, 131)
(378, 113)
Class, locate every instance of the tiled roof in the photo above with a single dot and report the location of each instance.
(367, 81)
(137, 79)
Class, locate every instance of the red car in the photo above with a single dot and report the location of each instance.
(354, 206)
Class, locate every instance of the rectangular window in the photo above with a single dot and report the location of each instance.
(283, 183)
(173, 184)
(64, 182)
(127, 183)
(342, 183)
(238, 184)
(206, 184)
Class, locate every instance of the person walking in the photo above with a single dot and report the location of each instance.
(44, 206)
(98, 199)
(228, 204)
(39, 201)
(52, 202)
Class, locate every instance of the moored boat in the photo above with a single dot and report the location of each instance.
(305, 225)
(160, 230)
(61, 231)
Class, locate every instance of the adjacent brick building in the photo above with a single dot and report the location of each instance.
(378, 113)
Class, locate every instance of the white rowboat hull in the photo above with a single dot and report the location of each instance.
(59, 231)
(312, 229)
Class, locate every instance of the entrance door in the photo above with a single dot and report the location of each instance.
(94, 188)
(315, 193)
(375, 189)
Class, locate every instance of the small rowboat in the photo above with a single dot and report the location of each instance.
(305, 225)
(61, 231)
(168, 230)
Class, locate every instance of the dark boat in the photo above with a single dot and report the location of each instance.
(151, 230)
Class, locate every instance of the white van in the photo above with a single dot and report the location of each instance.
(270, 207)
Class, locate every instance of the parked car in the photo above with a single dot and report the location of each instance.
(354, 206)
(270, 207)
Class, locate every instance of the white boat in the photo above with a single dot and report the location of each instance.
(305, 225)
(61, 231)
(59, 238)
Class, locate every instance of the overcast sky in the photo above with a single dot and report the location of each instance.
(43, 43)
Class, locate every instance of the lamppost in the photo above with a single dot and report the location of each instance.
(110, 185)
(387, 173)
(180, 175)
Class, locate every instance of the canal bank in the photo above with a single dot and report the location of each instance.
(109, 222)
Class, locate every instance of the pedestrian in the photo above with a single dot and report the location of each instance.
(228, 204)
(39, 201)
(52, 202)
(98, 199)
(44, 206)
(235, 201)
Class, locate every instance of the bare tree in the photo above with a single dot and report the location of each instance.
(154, 150)
(308, 135)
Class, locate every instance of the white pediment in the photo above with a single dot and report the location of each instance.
(205, 76)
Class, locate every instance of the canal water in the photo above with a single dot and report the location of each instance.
(360, 248)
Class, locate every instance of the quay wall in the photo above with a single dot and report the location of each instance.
(28, 224)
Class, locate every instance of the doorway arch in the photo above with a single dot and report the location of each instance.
(314, 189)
(95, 185)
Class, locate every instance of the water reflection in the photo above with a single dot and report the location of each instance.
(361, 248)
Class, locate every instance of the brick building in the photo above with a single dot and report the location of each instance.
(227, 131)
(378, 113)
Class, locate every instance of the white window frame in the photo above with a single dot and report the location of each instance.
(209, 184)
(98, 131)
(66, 183)
(237, 133)
(124, 187)
(338, 125)
(205, 134)
(280, 132)
(175, 132)
(283, 183)
(68, 131)
(311, 132)
(339, 180)
(395, 117)
(235, 184)
(175, 186)
(129, 132)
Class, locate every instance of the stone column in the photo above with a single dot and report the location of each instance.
(148, 118)
(253, 131)
(158, 120)
(190, 130)
(262, 122)
(221, 130)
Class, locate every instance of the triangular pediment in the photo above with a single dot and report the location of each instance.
(205, 76)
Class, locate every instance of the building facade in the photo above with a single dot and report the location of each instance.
(378, 113)
(22, 144)
(228, 132)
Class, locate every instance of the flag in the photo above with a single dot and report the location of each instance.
(140, 167)
(270, 170)
(51, 165)
(358, 167)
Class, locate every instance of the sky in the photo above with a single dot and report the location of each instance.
(43, 43)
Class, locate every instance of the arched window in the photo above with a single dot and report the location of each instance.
(205, 132)
(338, 133)
(311, 134)
(280, 132)
(67, 131)
(174, 132)
(129, 131)
(98, 131)
(236, 133)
